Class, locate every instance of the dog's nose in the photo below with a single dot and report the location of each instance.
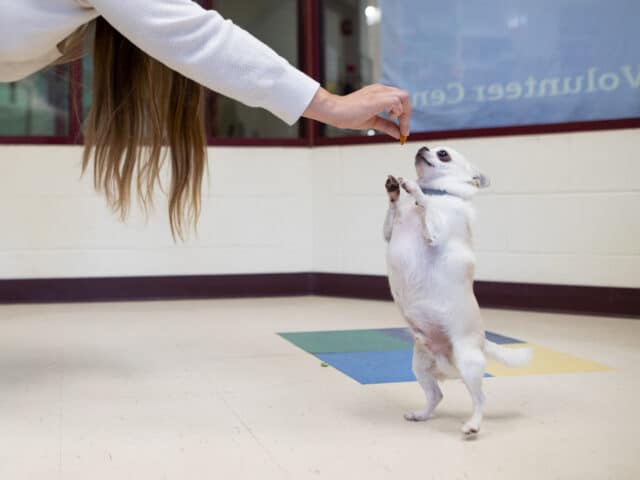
(421, 156)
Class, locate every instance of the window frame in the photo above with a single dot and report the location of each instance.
(74, 134)
(310, 52)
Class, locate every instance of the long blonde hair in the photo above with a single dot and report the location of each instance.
(139, 107)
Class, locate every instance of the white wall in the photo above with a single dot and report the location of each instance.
(562, 209)
(255, 218)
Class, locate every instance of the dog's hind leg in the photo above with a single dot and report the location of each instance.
(422, 364)
(470, 362)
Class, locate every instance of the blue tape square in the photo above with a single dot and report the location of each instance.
(373, 367)
(497, 338)
(390, 366)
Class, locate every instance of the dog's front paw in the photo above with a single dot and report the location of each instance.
(409, 186)
(417, 416)
(393, 188)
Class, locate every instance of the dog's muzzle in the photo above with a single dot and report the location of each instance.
(421, 156)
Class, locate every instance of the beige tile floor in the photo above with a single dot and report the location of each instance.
(206, 390)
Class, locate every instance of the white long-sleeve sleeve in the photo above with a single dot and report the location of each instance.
(196, 42)
(213, 51)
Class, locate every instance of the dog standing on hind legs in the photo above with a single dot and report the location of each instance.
(431, 263)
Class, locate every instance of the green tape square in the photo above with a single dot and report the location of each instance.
(343, 341)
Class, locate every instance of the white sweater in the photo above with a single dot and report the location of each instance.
(198, 43)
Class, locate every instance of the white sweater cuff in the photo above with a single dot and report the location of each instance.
(290, 95)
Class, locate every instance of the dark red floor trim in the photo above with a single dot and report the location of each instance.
(373, 287)
(153, 288)
(611, 301)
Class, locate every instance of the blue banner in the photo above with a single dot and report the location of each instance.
(474, 63)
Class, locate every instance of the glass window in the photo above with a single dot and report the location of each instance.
(469, 65)
(466, 65)
(274, 22)
(350, 44)
(87, 85)
(37, 105)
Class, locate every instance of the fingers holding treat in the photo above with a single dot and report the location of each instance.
(400, 109)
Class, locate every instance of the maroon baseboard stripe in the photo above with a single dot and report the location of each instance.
(610, 301)
(153, 288)
(372, 287)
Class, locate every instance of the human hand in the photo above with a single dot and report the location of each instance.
(361, 109)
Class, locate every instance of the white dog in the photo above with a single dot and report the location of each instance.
(431, 267)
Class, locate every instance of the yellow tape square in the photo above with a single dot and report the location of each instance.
(545, 361)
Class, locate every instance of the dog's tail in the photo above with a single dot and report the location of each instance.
(511, 357)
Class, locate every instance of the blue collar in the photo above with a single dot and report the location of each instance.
(434, 191)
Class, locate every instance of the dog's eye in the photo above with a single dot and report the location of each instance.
(443, 155)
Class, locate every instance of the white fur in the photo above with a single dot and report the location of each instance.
(431, 266)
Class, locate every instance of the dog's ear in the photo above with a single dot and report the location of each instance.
(480, 180)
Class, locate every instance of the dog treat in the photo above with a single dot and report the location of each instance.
(403, 139)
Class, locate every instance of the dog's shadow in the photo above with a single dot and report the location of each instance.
(445, 420)
(451, 421)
